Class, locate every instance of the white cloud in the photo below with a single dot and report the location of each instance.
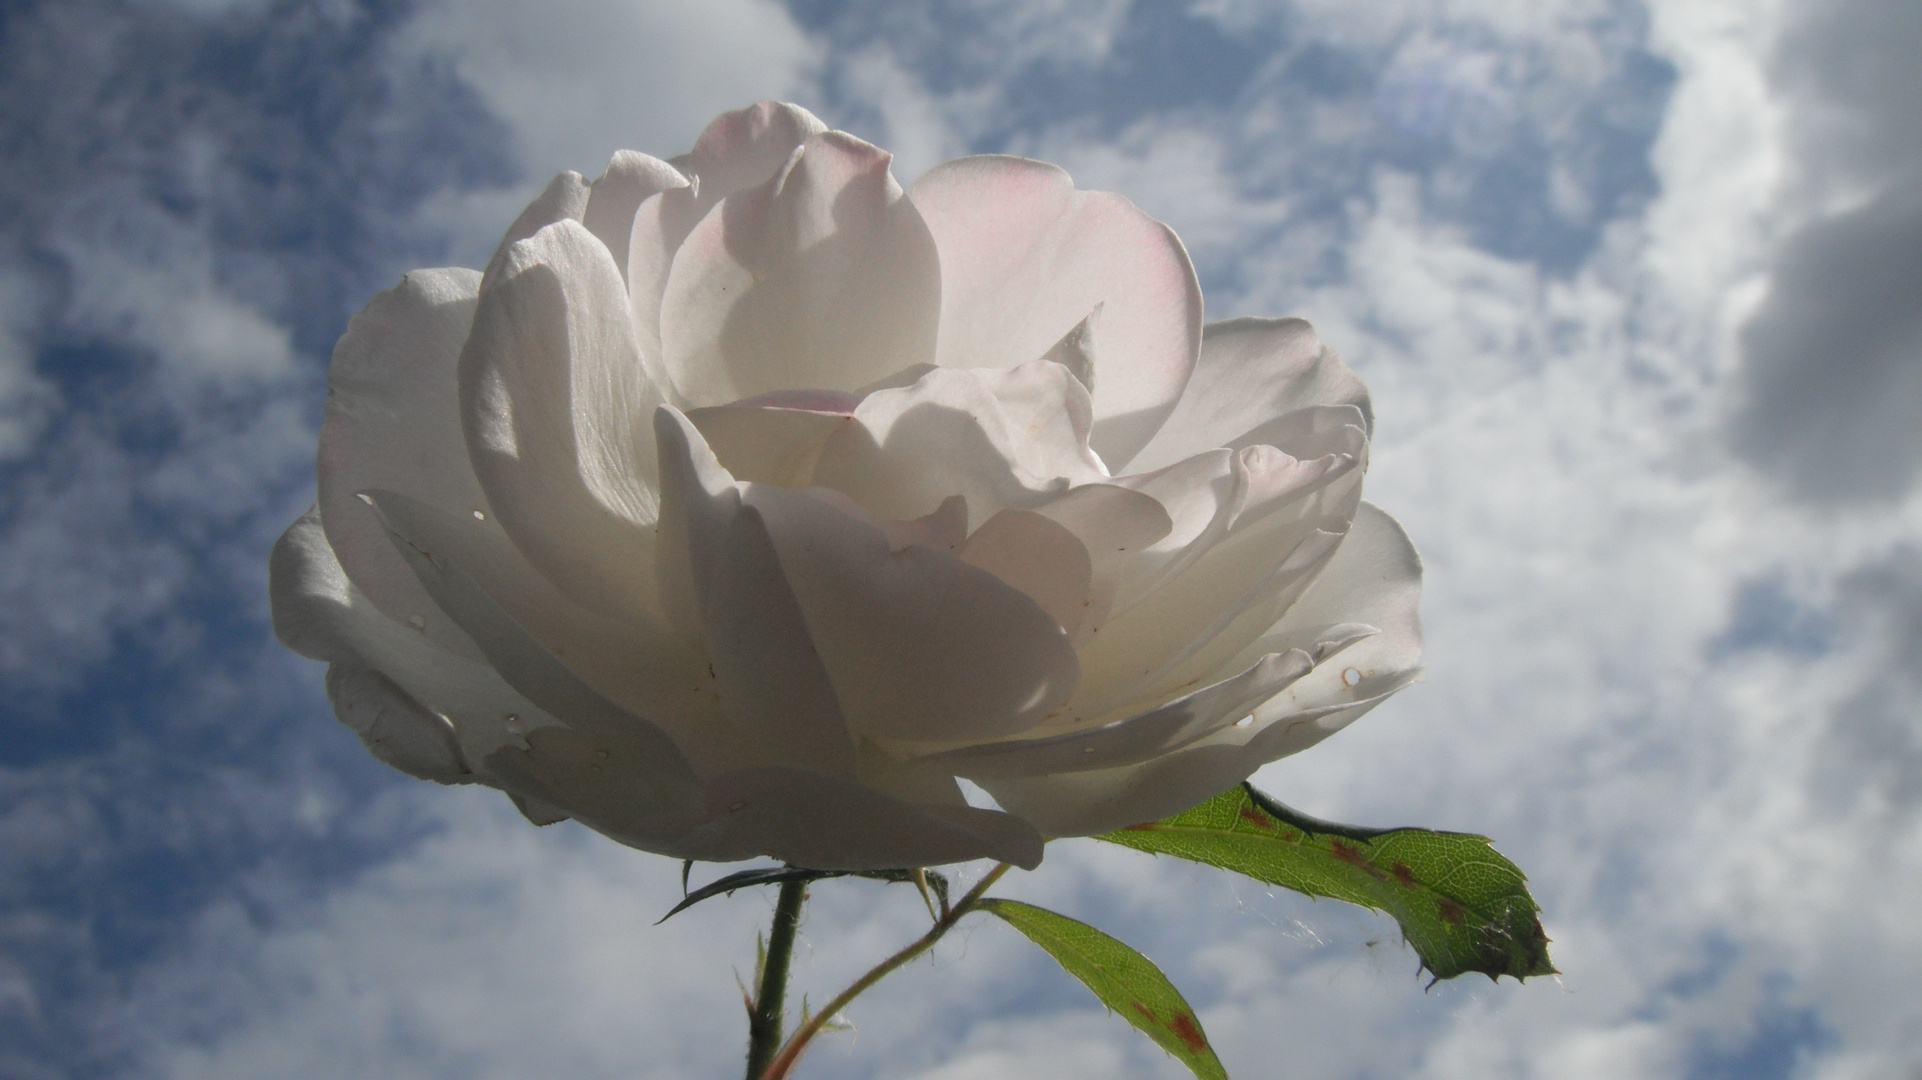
(1721, 839)
(578, 79)
(27, 400)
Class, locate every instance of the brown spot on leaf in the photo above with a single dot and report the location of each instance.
(1146, 826)
(1146, 1012)
(1256, 818)
(1188, 1031)
(1450, 911)
(1352, 855)
(1404, 875)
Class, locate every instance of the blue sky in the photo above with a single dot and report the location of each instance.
(1634, 286)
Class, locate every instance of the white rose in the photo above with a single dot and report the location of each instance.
(748, 501)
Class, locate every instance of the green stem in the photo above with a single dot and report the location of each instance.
(791, 1053)
(765, 1016)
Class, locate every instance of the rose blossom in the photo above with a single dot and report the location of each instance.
(747, 501)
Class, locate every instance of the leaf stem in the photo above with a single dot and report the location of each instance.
(767, 1013)
(782, 1064)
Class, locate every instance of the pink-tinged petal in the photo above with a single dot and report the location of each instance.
(823, 277)
(1252, 371)
(919, 644)
(766, 444)
(1024, 259)
(742, 149)
(554, 404)
(998, 438)
(318, 613)
(1135, 739)
(811, 820)
(738, 151)
(563, 199)
(630, 179)
(651, 759)
(393, 421)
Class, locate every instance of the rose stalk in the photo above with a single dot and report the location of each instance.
(748, 502)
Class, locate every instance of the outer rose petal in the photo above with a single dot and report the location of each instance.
(1025, 258)
(1136, 739)
(650, 675)
(822, 278)
(564, 199)
(552, 400)
(1374, 579)
(815, 821)
(320, 614)
(650, 759)
(1376, 573)
(393, 421)
(1252, 371)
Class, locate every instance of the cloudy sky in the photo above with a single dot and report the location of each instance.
(1637, 287)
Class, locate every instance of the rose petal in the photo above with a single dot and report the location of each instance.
(1039, 557)
(767, 668)
(997, 438)
(645, 670)
(823, 277)
(552, 396)
(1115, 526)
(1227, 595)
(394, 727)
(768, 445)
(1136, 739)
(1252, 371)
(392, 421)
(811, 820)
(563, 199)
(1375, 575)
(766, 664)
(1024, 259)
(656, 764)
(630, 179)
(742, 149)
(318, 613)
(1375, 579)
(919, 644)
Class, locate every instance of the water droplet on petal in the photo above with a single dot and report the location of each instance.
(513, 724)
(1245, 721)
(1087, 749)
(364, 497)
(478, 516)
(418, 622)
(1351, 677)
(737, 807)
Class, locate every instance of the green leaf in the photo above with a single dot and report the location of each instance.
(1122, 978)
(1459, 902)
